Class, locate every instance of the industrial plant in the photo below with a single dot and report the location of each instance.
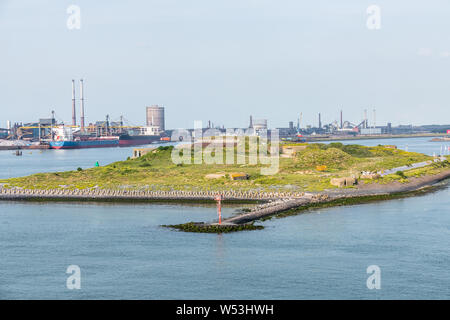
(48, 133)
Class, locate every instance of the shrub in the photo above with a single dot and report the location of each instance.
(163, 148)
(331, 157)
(401, 174)
(145, 164)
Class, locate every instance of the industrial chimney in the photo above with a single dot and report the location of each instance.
(374, 118)
(82, 105)
(342, 122)
(74, 117)
(365, 119)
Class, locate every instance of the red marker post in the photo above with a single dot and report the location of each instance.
(219, 207)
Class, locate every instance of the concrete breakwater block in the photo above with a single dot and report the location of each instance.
(343, 182)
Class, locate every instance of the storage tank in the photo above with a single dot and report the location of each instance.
(260, 124)
(155, 116)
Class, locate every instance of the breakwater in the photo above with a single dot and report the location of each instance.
(273, 202)
(282, 205)
(107, 194)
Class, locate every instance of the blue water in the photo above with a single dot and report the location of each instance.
(36, 161)
(422, 145)
(123, 252)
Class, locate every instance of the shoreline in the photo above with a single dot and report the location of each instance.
(268, 204)
(372, 190)
(327, 199)
(109, 195)
(371, 137)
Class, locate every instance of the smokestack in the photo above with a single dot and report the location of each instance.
(374, 118)
(251, 122)
(365, 119)
(74, 117)
(320, 122)
(300, 120)
(82, 105)
(342, 123)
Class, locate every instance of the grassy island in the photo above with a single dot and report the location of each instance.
(309, 169)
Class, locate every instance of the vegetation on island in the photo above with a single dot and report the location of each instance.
(213, 228)
(310, 169)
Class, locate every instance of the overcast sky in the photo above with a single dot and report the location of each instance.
(223, 60)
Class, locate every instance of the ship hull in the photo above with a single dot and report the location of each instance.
(127, 140)
(84, 144)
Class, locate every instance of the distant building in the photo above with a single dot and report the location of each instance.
(370, 131)
(155, 117)
(260, 124)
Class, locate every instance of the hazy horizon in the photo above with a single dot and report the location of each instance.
(226, 60)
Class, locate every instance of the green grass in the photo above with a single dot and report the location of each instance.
(156, 171)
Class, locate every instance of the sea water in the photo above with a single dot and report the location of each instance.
(123, 252)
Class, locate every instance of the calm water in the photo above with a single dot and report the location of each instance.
(124, 253)
(35, 161)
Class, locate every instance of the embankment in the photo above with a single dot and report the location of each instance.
(136, 195)
(370, 191)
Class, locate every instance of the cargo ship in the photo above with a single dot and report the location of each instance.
(64, 139)
(140, 136)
(100, 142)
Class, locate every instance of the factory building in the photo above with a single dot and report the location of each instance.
(371, 131)
(155, 117)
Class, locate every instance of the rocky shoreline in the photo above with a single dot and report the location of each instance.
(272, 203)
(364, 193)
(369, 190)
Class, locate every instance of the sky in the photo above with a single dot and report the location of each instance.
(225, 60)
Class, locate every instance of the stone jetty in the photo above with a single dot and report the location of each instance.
(106, 194)
(271, 203)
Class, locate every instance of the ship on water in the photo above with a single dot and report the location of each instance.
(65, 137)
(100, 142)
(140, 136)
